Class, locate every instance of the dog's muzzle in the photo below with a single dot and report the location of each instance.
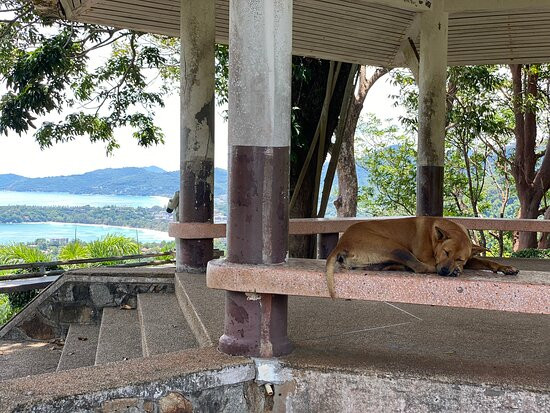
(446, 272)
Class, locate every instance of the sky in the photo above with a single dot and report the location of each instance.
(21, 155)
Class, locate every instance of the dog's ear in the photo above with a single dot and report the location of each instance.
(478, 249)
(440, 233)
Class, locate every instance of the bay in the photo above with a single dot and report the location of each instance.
(65, 199)
(30, 231)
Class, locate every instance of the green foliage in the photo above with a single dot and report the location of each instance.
(167, 247)
(532, 253)
(112, 246)
(222, 74)
(20, 253)
(20, 299)
(6, 310)
(45, 67)
(75, 250)
(390, 159)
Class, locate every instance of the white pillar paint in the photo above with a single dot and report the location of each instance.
(260, 61)
(432, 86)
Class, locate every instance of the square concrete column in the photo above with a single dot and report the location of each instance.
(197, 129)
(431, 108)
(260, 64)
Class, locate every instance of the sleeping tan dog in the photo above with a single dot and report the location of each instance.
(420, 244)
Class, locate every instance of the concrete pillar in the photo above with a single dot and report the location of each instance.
(260, 62)
(197, 129)
(431, 107)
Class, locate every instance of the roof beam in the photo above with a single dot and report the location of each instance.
(411, 5)
(458, 6)
(406, 55)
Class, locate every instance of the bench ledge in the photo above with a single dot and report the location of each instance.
(528, 292)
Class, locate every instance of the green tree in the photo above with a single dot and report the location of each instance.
(504, 109)
(75, 250)
(112, 246)
(46, 68)
(389, 157)
(21, 254)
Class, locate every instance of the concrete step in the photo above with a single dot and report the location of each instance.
(80, 347)
(203, 308)
(163, 326)
(119, 336)
(26, 358)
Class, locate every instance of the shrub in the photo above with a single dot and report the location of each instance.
(532, 253)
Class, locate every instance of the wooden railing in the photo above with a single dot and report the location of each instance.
(310, 226)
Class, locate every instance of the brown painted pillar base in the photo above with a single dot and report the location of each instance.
(195, 254)
(257, 234)
(255, 325)
(257, 230)
(325, 244)
(196, 205)
(429, 191)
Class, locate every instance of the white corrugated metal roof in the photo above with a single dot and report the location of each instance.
(359, 31)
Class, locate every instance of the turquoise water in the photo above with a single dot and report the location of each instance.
(66, 199)
(29, 232)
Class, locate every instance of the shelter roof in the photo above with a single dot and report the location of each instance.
(362, 31)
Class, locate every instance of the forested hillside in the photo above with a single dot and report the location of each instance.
(120, 181)
(151, 218)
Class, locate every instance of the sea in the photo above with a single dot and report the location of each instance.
(62, 232)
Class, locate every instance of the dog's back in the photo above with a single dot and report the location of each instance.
(407, 241)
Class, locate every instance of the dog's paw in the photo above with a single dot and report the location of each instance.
(451, 274)
(508, 270)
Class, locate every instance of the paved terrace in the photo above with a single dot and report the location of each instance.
(490, 349)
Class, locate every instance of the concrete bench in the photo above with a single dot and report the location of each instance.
(528, 292)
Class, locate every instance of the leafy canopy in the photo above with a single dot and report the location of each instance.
(108, 78)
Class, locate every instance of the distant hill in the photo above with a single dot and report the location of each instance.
(120, 181)
(149, 181)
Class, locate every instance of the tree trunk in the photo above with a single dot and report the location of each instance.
(346, 203)
(531, 184)
(308, 92)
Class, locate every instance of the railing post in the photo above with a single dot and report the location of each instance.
(196, 202)
(260, 59)
(325, 244)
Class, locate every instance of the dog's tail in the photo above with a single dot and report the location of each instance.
(331, 263)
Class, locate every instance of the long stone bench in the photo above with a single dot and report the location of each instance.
(528, 292)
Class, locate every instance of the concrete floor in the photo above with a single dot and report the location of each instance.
(462, 344)
(472, 345)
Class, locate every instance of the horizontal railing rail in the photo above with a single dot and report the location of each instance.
(47, 264)
(311, 226)
(55, 270)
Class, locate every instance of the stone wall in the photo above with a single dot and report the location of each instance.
(79, 297)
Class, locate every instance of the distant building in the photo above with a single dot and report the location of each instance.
(58, 242)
